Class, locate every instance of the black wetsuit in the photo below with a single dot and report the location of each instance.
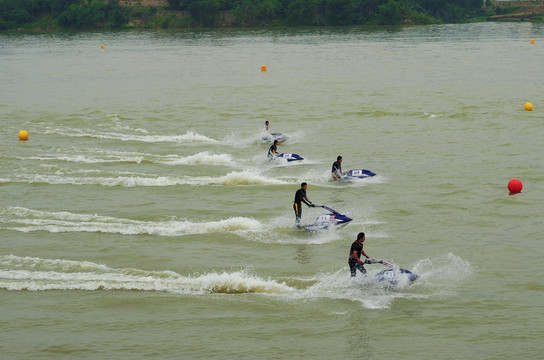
(273, 151)
(300, 197)
(353, 263)
(336, 168)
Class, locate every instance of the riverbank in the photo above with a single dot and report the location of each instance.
(502, 11)
(157, 14)
(519, 11)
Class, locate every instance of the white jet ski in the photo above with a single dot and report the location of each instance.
(290, 157)
(327, 221)
(270, 137)
(357, 174)
(395, 276)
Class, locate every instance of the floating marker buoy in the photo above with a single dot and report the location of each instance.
(263, 68)
(103, 46)
(532, 41)
(23, 135)
(515, 186)
(528, 106)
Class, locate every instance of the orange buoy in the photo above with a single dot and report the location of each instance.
(532, 41)
(263, 68)
(23, 135)
(528, 106)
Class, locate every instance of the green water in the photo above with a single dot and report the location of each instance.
(142, 219)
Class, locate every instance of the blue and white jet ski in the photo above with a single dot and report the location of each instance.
(357, 174)
(270, 137)
(327, 221)
(290, 157)
(394, 276)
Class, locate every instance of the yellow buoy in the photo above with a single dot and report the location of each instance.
(103, 46)
(528, 106)
(532, 41)
(23, 135)
(263, 68)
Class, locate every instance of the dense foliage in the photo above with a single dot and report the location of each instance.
(74, 14)
(89, 14)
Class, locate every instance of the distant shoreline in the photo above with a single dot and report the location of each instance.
(522, 10)
(527, 10)
(157, 14)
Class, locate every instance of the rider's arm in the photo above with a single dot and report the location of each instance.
(354, 254)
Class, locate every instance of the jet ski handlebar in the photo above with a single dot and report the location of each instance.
(380, 261)
(326, 208)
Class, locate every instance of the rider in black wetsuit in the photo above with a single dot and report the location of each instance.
(300, 197)
(337, 168)
(354, 260)
(273, 151)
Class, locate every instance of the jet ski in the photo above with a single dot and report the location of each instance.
(270, 137)
(357, 174)
(290, 157)
(327, 221)
(394, 276)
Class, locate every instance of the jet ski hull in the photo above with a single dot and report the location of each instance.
(291, 157)
(270, 137)
(328, 221)
(395, 277)
(357, 174)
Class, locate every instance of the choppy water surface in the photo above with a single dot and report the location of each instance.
(142, 219)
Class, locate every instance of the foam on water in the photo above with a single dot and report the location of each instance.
(28, 220)
(188, 137)
(444, 272)
(130, 179)
(242, 141)
(202, 158)
(438, 277)
(88, 158)
(94, 156)
(282, 230)
(37, 274)
(279, 229)
(296, 137)
(244, 178)
(121, 180)
(238, 141)
(323, 178)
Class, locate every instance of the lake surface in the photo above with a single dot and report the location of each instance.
(142, 219)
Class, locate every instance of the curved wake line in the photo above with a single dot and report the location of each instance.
(231, 179)
(28, 220)
(202, 158)
(46, 274)
(188, 137)
(37, 274)
(97, 156)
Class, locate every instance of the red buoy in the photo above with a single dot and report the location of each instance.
(515, 186)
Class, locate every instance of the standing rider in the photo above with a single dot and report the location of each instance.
(300, 197)
(337, 168)
(273, 151)
(354, 261)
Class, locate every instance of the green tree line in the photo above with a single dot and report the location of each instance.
(71, 14)
(92, 14)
